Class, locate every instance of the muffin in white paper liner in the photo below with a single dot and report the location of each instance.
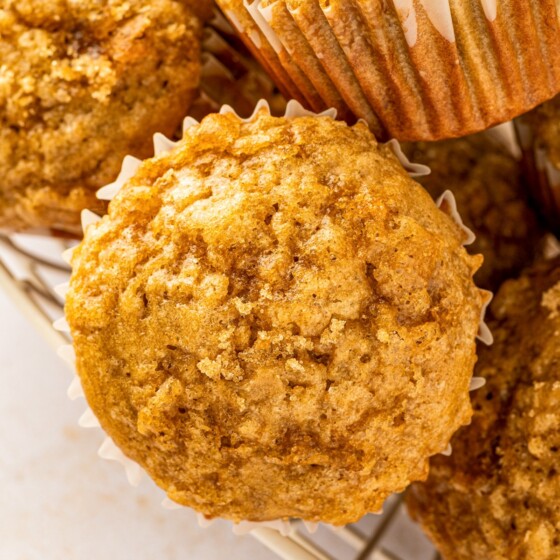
(108, 449)
(413, 69)
(498, 496)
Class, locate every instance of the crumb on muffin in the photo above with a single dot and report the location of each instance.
(497, 496)
(276, 321)
(491, 198)
(82, 84)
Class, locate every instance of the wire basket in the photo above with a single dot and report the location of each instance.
(30, 267)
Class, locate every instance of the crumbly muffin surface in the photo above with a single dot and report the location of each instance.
(82, 84)
(498, 496)
(275, 320)
(491, 199)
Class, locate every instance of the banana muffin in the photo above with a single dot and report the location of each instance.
(491, 197)
(497, 496)
(276, 321)
(82, 84)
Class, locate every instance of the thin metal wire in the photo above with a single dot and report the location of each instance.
(33, 258)
(21, 293)
(311, 547)
(385, 554)
(353, 536)
(379, 532)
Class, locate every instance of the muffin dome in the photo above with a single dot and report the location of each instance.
(497, 497)
(275, 321)
(412, 69)
(82, 85)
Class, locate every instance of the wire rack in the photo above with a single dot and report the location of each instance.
(30, 267)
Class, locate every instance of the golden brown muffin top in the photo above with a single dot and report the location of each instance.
(491, 198)
(498, 496)
(82, 84)
(275, 320)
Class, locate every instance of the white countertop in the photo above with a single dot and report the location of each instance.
(58, 500)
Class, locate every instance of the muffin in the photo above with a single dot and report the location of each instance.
(491, 197)
(497, 496)
(275, 320)
(414, 70)
(82, 84)
(539, 136)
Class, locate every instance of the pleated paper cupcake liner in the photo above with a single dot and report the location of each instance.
(413, 69)
(108, 450)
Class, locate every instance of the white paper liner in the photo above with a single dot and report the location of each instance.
(62, 289)
(259, 16)
(504, 135)
(61, 325)
(551, 248)
(67, 257)
(414, 169)
(129, 167)
(170, 504)
(211, 67)
(551, 171)
(477, 383)
(447, 200)
(88, 420)
(485, 334)
(68, 354)
(88, 219)
(111, 452)
(75, 390)
(108, 449)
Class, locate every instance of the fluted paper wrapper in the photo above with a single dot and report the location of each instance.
(108, 449)
(413, 69)
(230, 75)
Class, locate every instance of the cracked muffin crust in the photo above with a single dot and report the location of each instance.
(497, 497)
(82, 84)
(491, 198)
(275, 321)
